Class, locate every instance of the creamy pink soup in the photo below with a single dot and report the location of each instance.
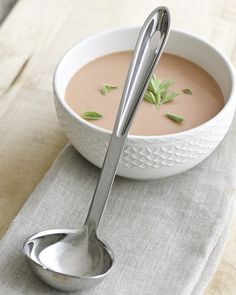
(83, 94)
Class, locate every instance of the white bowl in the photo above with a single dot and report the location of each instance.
(146, 157)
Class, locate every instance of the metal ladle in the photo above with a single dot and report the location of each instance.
(71, 259)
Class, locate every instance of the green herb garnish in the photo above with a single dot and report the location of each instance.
(153, 84)
(106, 88)
(158, 93)
(169, 96)
(150, 97)
(91, 116)
(174, 117)
(187, 91)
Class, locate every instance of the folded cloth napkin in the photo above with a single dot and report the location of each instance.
(167, 234)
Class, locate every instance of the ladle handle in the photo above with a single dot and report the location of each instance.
(148, 49)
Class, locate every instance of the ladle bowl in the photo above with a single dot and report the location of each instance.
(42, 257)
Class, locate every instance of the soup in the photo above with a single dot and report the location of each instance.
(186, 95)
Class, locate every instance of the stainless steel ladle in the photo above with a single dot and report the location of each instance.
(71, 259)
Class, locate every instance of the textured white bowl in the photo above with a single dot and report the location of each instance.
(146, 157)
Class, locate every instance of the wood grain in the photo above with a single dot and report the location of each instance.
(32, 39)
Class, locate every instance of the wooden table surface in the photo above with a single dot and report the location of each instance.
(32, 39)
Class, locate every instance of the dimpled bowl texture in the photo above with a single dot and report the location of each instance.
(146, 157)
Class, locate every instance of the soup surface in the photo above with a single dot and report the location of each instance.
(202, 100)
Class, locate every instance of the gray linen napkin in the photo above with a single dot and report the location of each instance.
(167, 235)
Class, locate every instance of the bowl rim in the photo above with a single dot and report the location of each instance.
(191, 131)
